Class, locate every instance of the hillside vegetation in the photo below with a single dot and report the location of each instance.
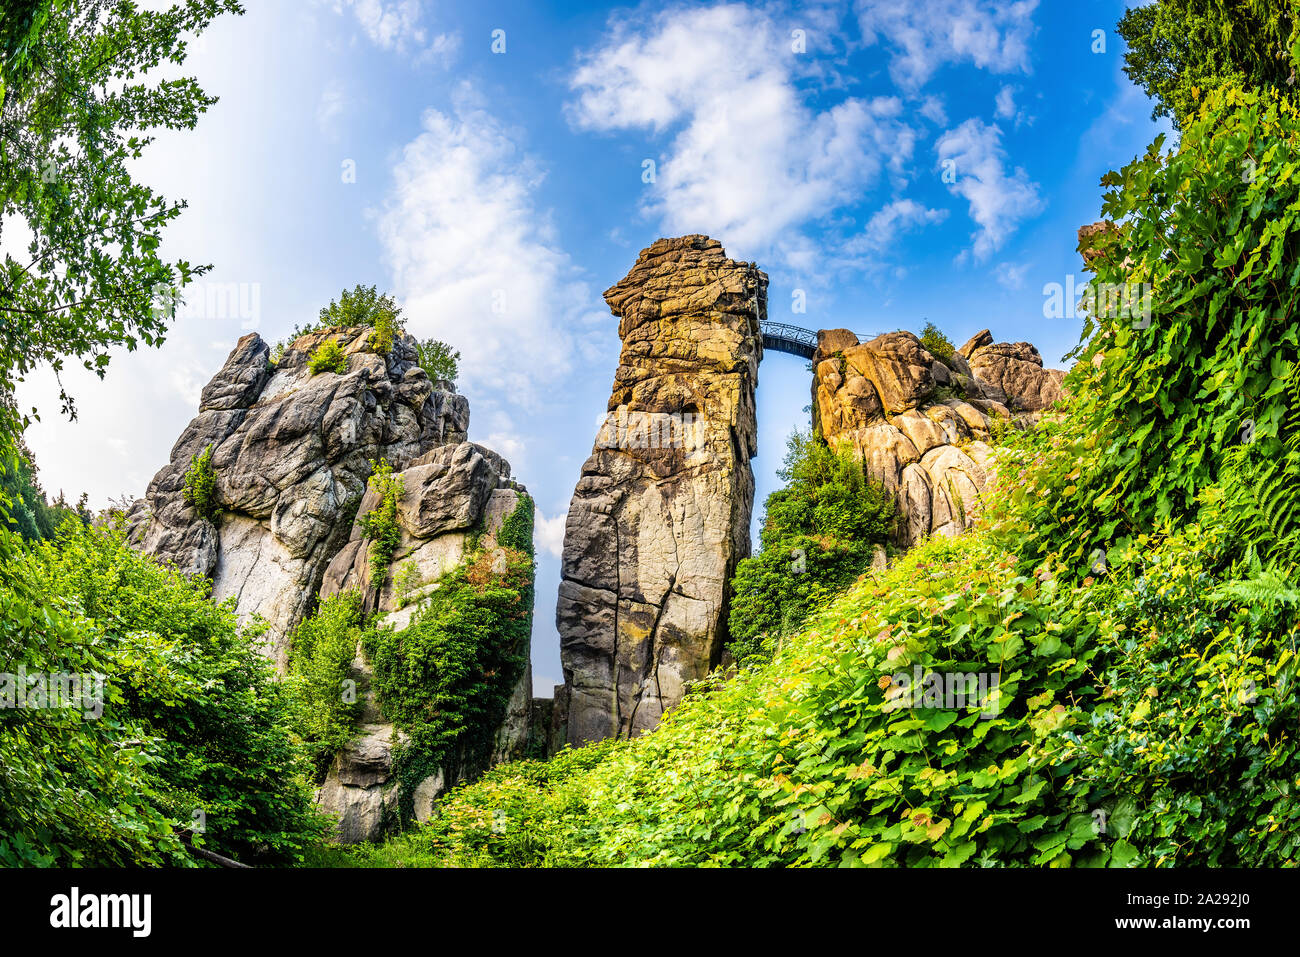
(1129, 601)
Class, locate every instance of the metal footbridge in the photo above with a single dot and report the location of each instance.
(795, 340)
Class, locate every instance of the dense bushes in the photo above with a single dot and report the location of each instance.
(818, 535)
(936, 343)
(380, 523)
(1213, 230)
(438, 359)
(23, 506)
(328, 357)
(194, 733)
(1104, 742)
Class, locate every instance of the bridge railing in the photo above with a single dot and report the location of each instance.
(795, 340)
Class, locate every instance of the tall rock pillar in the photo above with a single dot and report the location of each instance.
(661, 513)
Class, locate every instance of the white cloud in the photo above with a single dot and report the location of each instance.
(508, 444)
(475, 262)
(398, 25)
(548, 533)
(887, 224)
(998, 200)
(1005, 104)
(1012, 275)
(991, 34)
(750, 162)
(933, 110)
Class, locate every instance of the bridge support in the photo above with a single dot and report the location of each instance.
(660, 515)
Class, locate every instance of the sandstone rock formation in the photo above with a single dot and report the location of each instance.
(291, 455)
(660, 515)
(921, 426)
(1013, 373)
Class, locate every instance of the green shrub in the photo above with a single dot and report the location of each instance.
(405, 581)
(364, 306)
(1189, 749)
(23, 506)
(938, 344)
(195, 729)
(325, 695)
(1138, 719)
(380, 523)
(438, 359)
(200, 488)
(819, 534)
(328, 357)
(1178, 49)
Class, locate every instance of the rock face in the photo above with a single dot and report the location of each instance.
(660, 515)
(449, 493)
(291, 454)
(1013, 373)
(921, 426)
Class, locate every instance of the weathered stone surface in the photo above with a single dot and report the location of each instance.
(831, 341)
(291, 455)
(878, 399)
(977, 341)
(1015, 373)
(660, 515)
(898, 366)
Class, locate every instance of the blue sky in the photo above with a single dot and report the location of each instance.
(498, 192)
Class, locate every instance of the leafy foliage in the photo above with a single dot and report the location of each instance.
(328, 357)
(364, 306)
(75, 113)
(1260, 480)
(818, 535)
(938, 344)
(438, 359)
(1213, 229)
(23, 504)
(325, 697)
(200, 489)
(1111, 745)
(1181, 49)
(195, 728)
(447, 678)
(380, 523)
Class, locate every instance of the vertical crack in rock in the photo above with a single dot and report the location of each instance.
(660, 515)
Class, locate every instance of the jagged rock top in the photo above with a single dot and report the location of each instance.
(291, 454)
(688, 275)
